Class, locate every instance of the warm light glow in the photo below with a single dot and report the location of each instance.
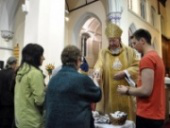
(67, 19)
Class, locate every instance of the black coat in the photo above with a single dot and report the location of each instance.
(7, 83)
(68, 100)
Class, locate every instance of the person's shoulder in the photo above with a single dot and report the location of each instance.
(6, 71)
(56, 70)
(34, 71)
(80, 74)
(148, 57)
(83, 76)
(103, 51)
(2, 72)
(152, 55)
(128, 48)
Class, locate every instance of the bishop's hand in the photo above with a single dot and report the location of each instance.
(120, 75)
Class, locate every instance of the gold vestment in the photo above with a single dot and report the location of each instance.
(108, 65)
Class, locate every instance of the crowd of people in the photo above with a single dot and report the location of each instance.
(67, 101)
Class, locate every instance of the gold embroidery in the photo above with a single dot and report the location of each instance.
(117, 65)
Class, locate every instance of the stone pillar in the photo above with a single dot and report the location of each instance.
(31, 22)
(114, 11)
(45, 25)
(6, 25)
(84, 38)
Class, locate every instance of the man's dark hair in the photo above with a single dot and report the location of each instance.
(142, 33)
(70, 55)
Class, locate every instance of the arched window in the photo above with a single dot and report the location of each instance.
(90, 38)
(153, 16)
(143, 8)
(132, 29)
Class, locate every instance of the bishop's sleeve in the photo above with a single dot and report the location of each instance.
(99, 64)
(133, 58)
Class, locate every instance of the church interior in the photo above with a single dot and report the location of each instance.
(55, 24)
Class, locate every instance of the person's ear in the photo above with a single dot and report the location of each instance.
(143, 41)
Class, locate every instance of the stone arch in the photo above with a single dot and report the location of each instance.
(92, 46)
(78, 25)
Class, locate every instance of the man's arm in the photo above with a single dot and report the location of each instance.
(147, 77)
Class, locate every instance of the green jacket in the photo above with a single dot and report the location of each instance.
(29, 97)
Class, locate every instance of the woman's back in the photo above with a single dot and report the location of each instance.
(29, 97)
(69, 95)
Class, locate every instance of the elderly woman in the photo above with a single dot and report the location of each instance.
(70, 94)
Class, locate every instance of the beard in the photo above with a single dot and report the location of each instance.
(115, 51)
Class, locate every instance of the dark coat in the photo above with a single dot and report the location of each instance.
(68, 100)
(7, 83)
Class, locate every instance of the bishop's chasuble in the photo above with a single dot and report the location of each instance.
(108, 65)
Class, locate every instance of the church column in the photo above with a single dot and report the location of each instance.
(84, 38)
(114, 11)
(45, 24)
